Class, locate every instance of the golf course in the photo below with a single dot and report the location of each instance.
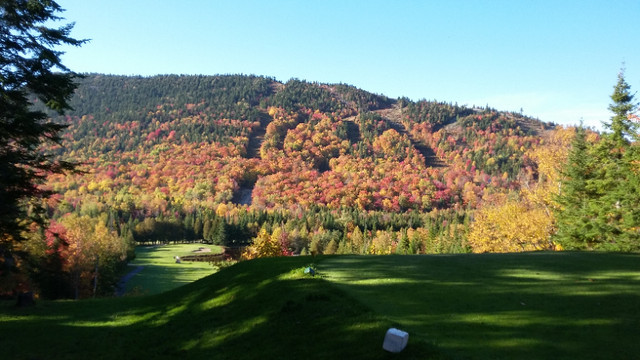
(156, 270)
(542, 305)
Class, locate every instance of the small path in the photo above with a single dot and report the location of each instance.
(122, 284)
(353, 130)
(243, 195)
(394, 119)
(257, 136)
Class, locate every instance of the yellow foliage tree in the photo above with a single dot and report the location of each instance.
(92, 247)
(523, 220)
(264, 245)
(222, 209)
(510, 225)
(549, 156)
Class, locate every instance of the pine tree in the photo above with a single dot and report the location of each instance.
(206, 230)
(403, 246)
(626, 198)
(30, 68)
(574, 223)
(621, 125)
(618, 198)
(197, 227)
(219, 236)
(600, 200)
(332, 247)
(344, 247)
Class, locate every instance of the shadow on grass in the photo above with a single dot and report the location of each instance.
(523, 306)
(258, 309)
(156, 279)
(515, 306)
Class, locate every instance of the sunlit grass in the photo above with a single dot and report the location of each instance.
(160, 271)
(266, 309)
(524, 306)
(510, 306)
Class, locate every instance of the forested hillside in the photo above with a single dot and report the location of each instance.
(329, 168)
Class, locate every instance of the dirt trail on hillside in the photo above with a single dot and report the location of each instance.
(353, 130)
(244, 195)
(257, 137)
(393, 116)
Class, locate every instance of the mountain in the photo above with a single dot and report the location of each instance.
(286, 168)
(190, 148)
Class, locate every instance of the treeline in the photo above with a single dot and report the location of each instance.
(341, 99)
(117, 113)
(179, 153)
(115, 98)
(230, 225)
(434, 113)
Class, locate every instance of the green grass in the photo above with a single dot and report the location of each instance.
(264, 309)
(505, 306)
(514, 306)
(160, 272)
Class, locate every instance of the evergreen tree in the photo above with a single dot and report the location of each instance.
(30, 68)
(415, 246)
(574, 223)
(600, 198)
(403, 246)
(219, 236)
(197, 227)
(332, 247)
(621, 125)
(617, 201)
(344, 247)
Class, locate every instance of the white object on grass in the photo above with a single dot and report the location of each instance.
(395, 340)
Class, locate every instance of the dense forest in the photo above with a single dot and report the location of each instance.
(293, 168)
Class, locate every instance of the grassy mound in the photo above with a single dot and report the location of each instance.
(524, 306)
(267, 309)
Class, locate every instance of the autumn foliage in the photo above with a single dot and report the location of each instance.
(297, 168)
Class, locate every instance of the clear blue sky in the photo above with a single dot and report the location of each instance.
(557, 60)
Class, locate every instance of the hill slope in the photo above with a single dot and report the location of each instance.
(322, 168)
(524, 306)
(181, 143)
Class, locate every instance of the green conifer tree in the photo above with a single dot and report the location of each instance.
(575, 224)
(219, 237)
(617, 200)
(30, 69)
(600, 197)
(403, 246)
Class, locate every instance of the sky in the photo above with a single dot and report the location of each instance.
(554, 60)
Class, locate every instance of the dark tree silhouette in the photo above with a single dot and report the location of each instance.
(31, 73)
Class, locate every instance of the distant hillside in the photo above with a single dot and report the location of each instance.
(180, 146)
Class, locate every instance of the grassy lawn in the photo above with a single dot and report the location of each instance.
(160, 272)
(264, 309)
(504, 306)
(494, 306)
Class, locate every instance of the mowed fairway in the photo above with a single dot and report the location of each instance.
(504, 306)
(489, 306)
(161, 273)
